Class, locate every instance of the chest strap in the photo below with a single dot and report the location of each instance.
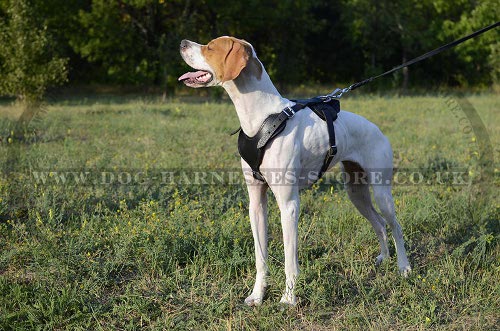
(252, 149)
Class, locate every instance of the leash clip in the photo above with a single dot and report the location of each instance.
(336, 94)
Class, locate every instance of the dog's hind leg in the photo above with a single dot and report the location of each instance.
(384, 200)
(358, 190)
(258, 218)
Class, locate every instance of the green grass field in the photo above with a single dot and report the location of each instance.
(157, 256)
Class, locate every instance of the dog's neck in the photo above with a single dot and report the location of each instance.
(254, 99)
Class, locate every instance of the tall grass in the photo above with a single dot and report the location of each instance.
(160, 256)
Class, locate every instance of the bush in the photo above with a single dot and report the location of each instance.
(28, 64)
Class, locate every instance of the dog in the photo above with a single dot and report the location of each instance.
(233, 64)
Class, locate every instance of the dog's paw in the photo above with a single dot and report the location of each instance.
(405, 270)
(289, 299)
(253, 300)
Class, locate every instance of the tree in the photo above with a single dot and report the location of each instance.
(28, 64)
(134, 42)
(477, 61)
(394, 31)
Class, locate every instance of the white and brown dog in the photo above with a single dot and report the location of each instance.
(233, 64)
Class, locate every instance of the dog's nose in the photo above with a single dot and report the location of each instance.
(184, 44)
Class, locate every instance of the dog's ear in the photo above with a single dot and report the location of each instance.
(236, 59)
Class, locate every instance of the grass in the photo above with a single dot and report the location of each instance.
(157, 257)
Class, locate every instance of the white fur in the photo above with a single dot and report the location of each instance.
(302, 146)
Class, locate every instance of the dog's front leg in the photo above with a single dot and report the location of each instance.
(257, 192)
(288, 200)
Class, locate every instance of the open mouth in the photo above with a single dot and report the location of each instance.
(197, 78)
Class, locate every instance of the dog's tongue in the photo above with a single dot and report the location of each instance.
(191, 75)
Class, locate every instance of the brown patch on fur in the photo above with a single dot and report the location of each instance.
(351, 167)
(228, 56)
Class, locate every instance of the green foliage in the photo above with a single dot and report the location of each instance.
(181, 257)
(28, 64)
(132, 42)
(136, 42)
(392, 32)
(477, 60)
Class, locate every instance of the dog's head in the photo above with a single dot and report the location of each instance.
(221, 60)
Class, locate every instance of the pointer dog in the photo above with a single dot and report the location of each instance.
(301, 147)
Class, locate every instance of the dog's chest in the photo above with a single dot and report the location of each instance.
(252, 149)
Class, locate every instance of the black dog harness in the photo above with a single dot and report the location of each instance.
(252, 149)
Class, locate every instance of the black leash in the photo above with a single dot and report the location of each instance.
(339, 92)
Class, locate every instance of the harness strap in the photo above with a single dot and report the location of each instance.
(330, 117)
(271, 128)
(252, 149)
(307, 102)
